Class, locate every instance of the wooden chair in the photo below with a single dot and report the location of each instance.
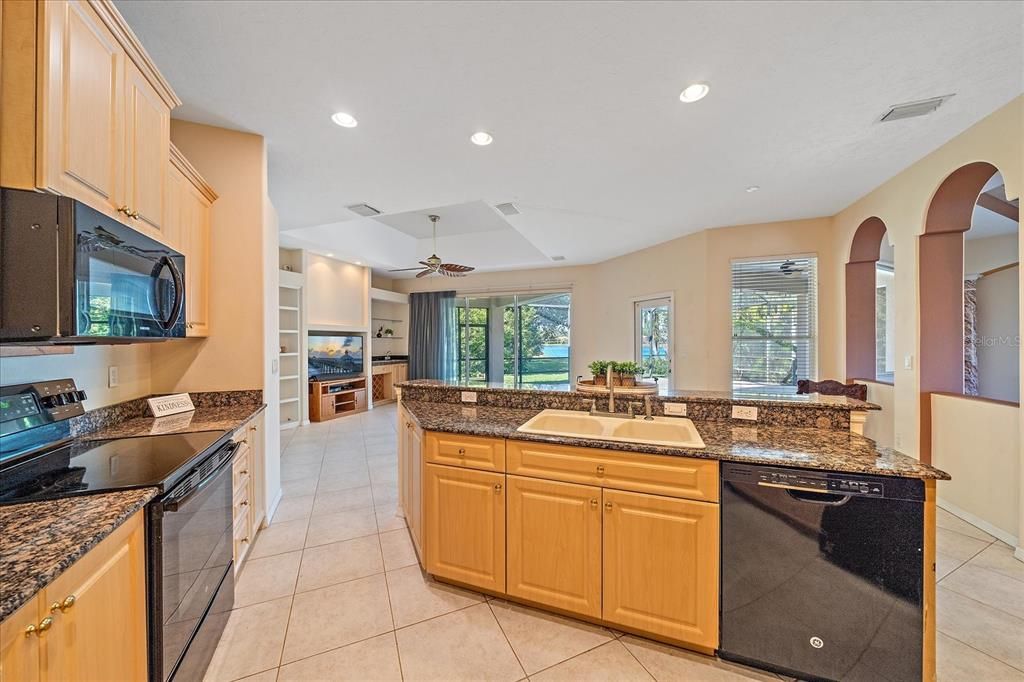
(833, 387)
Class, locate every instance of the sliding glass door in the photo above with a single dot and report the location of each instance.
(518, 339)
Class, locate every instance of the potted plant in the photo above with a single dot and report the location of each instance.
(389, 332)
(627, 372)
(598, 369)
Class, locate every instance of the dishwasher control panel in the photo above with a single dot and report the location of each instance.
(823, 483)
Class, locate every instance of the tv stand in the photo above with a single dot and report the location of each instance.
(332, 398)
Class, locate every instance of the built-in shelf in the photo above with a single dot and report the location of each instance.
(289, 331)
(290, 376)
(387, 338)
(289, 307)
(289, 355)
(285, 401)
(386, 319)
(292, 368)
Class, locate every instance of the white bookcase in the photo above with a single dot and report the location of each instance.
(292, 351)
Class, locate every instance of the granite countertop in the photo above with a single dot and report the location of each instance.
(40, 540)
(219, 418)
(813, 400)
(392, 361)
(807, 448)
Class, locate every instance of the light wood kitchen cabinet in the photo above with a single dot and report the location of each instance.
(147, 139)
(86, 113)
(248, 496)
(89, 623)
(661, 566)
(464, 525)
(410, 473)
(187, 219)
(19, 648)
(474, 452)
(554, 544)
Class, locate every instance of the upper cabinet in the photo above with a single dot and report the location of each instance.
(187, 200)
(77, 81)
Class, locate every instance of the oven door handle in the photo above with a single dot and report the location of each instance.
(174, 504)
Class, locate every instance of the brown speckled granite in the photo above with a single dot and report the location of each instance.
(113, 415)
(806, 411)
(39, 540)
(809, 448)
(226, 418)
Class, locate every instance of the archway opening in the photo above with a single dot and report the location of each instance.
(869, 315)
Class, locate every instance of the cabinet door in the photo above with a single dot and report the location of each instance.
(174, 195)
(661, 566)
(554, 544)
(146, 152)
(102, 635)
(464, 525)
(80, 139)
(197, 264)
(19, 651)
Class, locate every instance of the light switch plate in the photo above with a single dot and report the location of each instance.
(675, 409)
(469, 396)
(744, 412)
(908, 361)
(113, 377)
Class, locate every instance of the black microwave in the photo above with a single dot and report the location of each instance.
(70, 274)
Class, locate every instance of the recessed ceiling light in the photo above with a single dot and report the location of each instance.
(481, 138)
(751, 189)
(345, 120)
(359, 262)
(694, 92)
(330, 255)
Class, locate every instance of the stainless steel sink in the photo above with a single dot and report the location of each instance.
(670, 431)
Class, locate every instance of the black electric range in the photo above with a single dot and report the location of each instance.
(189, 548)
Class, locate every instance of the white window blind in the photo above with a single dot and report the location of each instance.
(774, 324)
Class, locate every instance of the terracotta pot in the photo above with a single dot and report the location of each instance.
(599, 380)
(616, 381)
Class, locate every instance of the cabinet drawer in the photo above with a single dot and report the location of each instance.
(240, 500)
(695, 479)
(240, 467)
(473, 452)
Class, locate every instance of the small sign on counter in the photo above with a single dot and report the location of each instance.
(165, 405)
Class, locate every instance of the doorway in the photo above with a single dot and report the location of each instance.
(652, 324)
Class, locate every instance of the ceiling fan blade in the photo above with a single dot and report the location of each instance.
(447, 273)
(424, 273)
(404, 269)
(455, 267)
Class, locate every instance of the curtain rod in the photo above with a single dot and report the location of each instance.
(553, 287)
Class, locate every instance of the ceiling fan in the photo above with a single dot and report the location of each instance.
(789, 267)
(434, 265)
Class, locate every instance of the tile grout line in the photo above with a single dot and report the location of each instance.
(630, 652)
(978, 601)
(505, 635)
(983, 653)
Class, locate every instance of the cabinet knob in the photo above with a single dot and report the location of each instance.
(243, 503)
(593, 503)
(497, 487)
(124, 209)
(62, 606)
(462, 452)
(134, 214)
(44, 625)
(600, 470)
(607, 506)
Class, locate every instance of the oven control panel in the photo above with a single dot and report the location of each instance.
(24, 406)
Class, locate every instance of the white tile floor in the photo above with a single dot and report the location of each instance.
(332, 592)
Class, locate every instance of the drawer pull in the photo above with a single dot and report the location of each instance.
(497, 487)
(593, 503)
(44, 625)
(243, 503)
(462, 452)
(63, 606)
(600, 470)
(607, 506)
(243, 472)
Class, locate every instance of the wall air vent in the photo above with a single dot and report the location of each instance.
(364, 210)
(508, 208)
(899, 112)
(558, 258)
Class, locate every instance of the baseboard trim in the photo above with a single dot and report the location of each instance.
(272, 509)
(970, 518)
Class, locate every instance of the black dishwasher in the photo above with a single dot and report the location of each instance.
(822, 573)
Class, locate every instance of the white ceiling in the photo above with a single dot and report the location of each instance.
(591, 141)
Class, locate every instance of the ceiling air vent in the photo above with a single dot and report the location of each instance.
(508, 208)
(898, 112)
(364, 210)
(558, 258)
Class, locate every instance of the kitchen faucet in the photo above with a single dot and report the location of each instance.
(611, 401)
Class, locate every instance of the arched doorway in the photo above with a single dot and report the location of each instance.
(861, 339)
(941, 287)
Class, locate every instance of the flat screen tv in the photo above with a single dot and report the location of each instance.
(334, 356)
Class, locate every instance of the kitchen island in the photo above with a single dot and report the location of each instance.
(632, 535)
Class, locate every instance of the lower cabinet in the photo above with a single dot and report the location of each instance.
(89, 623)
(410, 465)
(554, 544)
(661, 566)
(248, 486)
(464, 525)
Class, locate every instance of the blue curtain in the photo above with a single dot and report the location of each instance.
(432, 335)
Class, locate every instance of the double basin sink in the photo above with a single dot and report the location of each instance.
(670, 431)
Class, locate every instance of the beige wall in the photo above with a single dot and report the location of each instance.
(979, 444)
(234, 164)
(880, 425)
(337, 294)
(695, 269)
(88, 365)
(981, 255)
(999, 335)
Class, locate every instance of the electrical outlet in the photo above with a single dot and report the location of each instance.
(113, 377)
(274, 366)
(469, 396)
(744, 412)
(675, 409)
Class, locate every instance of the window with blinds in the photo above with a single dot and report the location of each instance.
(774, 324)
